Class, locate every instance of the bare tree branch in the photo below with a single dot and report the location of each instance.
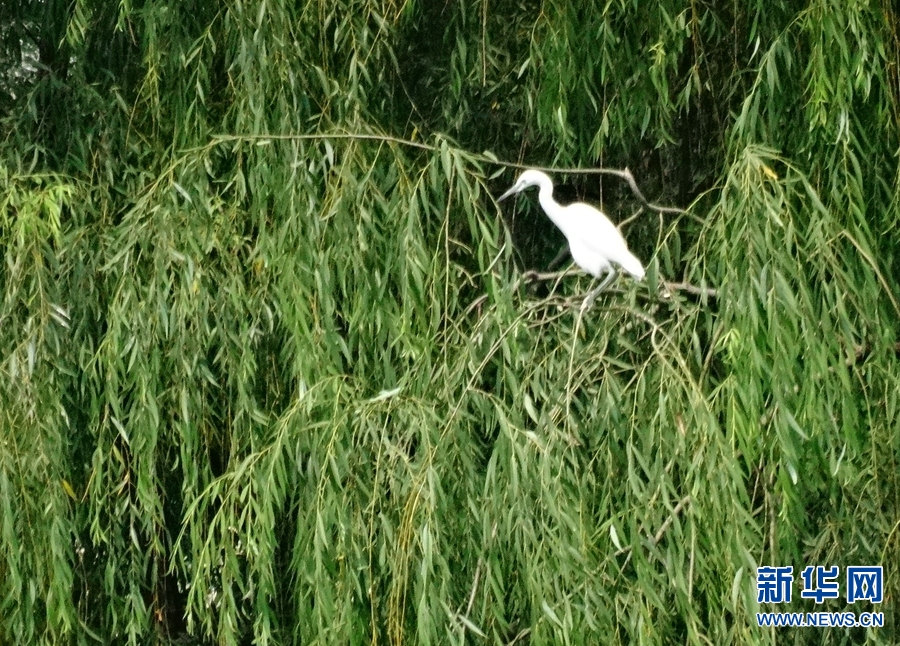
(534, 276)
(488, 159)
(692, 289)
(621, 174)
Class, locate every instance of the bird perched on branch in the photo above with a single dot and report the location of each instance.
(595, 242)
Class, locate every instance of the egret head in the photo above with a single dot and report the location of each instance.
(526, 179)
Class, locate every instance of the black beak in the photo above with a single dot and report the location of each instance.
(511, 191)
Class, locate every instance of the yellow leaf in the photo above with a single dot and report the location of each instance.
(69, 490)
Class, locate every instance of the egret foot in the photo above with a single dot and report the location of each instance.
(592, 295)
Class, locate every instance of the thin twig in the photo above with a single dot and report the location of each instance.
(684, 502)
(559, 257)
(532, 276)
(668, 522)
(475, 304)
(522, 635)
(630, 218)
(464, 618)
(692, 289)
(691, 563)
(474, 588)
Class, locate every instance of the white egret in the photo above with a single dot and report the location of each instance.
(594, 241)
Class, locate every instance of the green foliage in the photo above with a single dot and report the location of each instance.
(269, 372)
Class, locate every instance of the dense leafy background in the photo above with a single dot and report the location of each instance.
(269, 371)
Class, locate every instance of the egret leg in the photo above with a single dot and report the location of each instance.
(592, 295)
(562, 255)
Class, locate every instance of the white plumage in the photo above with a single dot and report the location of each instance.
(594, 241)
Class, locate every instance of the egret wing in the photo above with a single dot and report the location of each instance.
(593, 234)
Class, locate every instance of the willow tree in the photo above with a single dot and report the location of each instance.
(271, 369)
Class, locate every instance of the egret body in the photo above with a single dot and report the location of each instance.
(595, 242)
